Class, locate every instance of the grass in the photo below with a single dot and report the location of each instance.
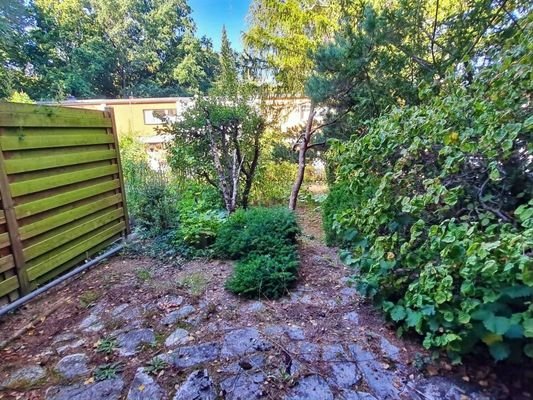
(143, 274)
(196, 283)
(106, 345)
(107, 371)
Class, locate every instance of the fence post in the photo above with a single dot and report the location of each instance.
(13, 228)
(111, 113)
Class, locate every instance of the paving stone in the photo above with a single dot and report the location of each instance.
(343, 369)
(129, 342)
(175, 316)
(436, 388)
(306, 351)
(127, 313)
(295, 332)
(23, 377)
(254, 307)
(70, 346)
(243, 341)
(379, 380)
(389, 350)
(354, 395)
(104, 390)
(73, 366)
(143, 387)
(312, 387)
(179, 336)
(91, 323)
(274, 330)
(190, 356)
(246, 363)
(352, 317)
(169, 302)
(67, 341)
(243, 386)
(198, 386)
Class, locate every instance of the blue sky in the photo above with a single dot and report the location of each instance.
(210, 15)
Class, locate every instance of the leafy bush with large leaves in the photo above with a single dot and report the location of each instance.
(440, 219)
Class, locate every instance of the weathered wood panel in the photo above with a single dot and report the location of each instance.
(62, 194)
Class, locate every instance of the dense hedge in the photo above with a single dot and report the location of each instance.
(264, 242)
(435, 202)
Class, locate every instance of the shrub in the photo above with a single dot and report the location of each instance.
(257, 230)
(200, 216)
(262, 275)
(439, 213)
(338, 201)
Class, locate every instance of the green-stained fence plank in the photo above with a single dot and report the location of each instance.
(57, 110)
(52, 222)
(23, 142)
(8, 285)
(4, 240)
(35, 207)
(54, 261)
(20, 188)
(19, 165)
(70, 234)
(6, 263)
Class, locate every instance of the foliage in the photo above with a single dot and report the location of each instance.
(339, 200)
(107, 345)
(108, 371)
(273, 182)
(257, 230)
(156, 365)
(96, 48)
(200, 216)
(19, 97)
(265, 275)
(440, 210)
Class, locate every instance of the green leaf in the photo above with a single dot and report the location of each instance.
(413, 317)
(497, 325)
(528, 327)
(398, 313)
(528, 350)
(500, 351)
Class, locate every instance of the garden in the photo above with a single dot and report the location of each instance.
(382, 249)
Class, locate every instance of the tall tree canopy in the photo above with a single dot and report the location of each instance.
(90, 48)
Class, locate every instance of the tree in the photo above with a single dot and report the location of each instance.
(218, 138)
(284, 33)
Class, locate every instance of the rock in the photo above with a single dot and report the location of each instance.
(169, 302)
(179, 336)
(175, 316)
(127, 313)
(190, 356)
(129, 342)
(379, 380)
(243, 386)
(198, 386)
(64, 337)
(67, 341)
(389, 350)
(306, 351)
(354, 395)
(352, 317)
(254, 361)
(73, 366)
(254, 307)
(436, 388)
(274, 330)
(243, 341)
(312, 387)
(295, 333)
(92, 323)
(24, 377)
(143, 387)
(344, 372)
(105, 390)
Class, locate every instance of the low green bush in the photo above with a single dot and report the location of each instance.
(265, 275)
(257, 230)
(439, 220)
(338, 201)
(264, 241)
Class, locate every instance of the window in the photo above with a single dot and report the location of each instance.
(304, 110)
(158, 117)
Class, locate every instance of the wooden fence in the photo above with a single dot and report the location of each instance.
(61, 192)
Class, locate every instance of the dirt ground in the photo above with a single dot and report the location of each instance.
(317, 306)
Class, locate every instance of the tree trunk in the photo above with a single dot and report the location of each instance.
(306, 139)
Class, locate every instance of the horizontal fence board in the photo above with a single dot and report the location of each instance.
(4, 240)
(51, 141)
(73, 233)
(20, 188)
(24, 108)
(2, 217)
(44, 225)
(67, 133)
(9, 285)
(35, 207)
(79, 248)
(6, 263)
(16, 166)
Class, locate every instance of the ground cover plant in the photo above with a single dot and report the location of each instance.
(434, 203)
